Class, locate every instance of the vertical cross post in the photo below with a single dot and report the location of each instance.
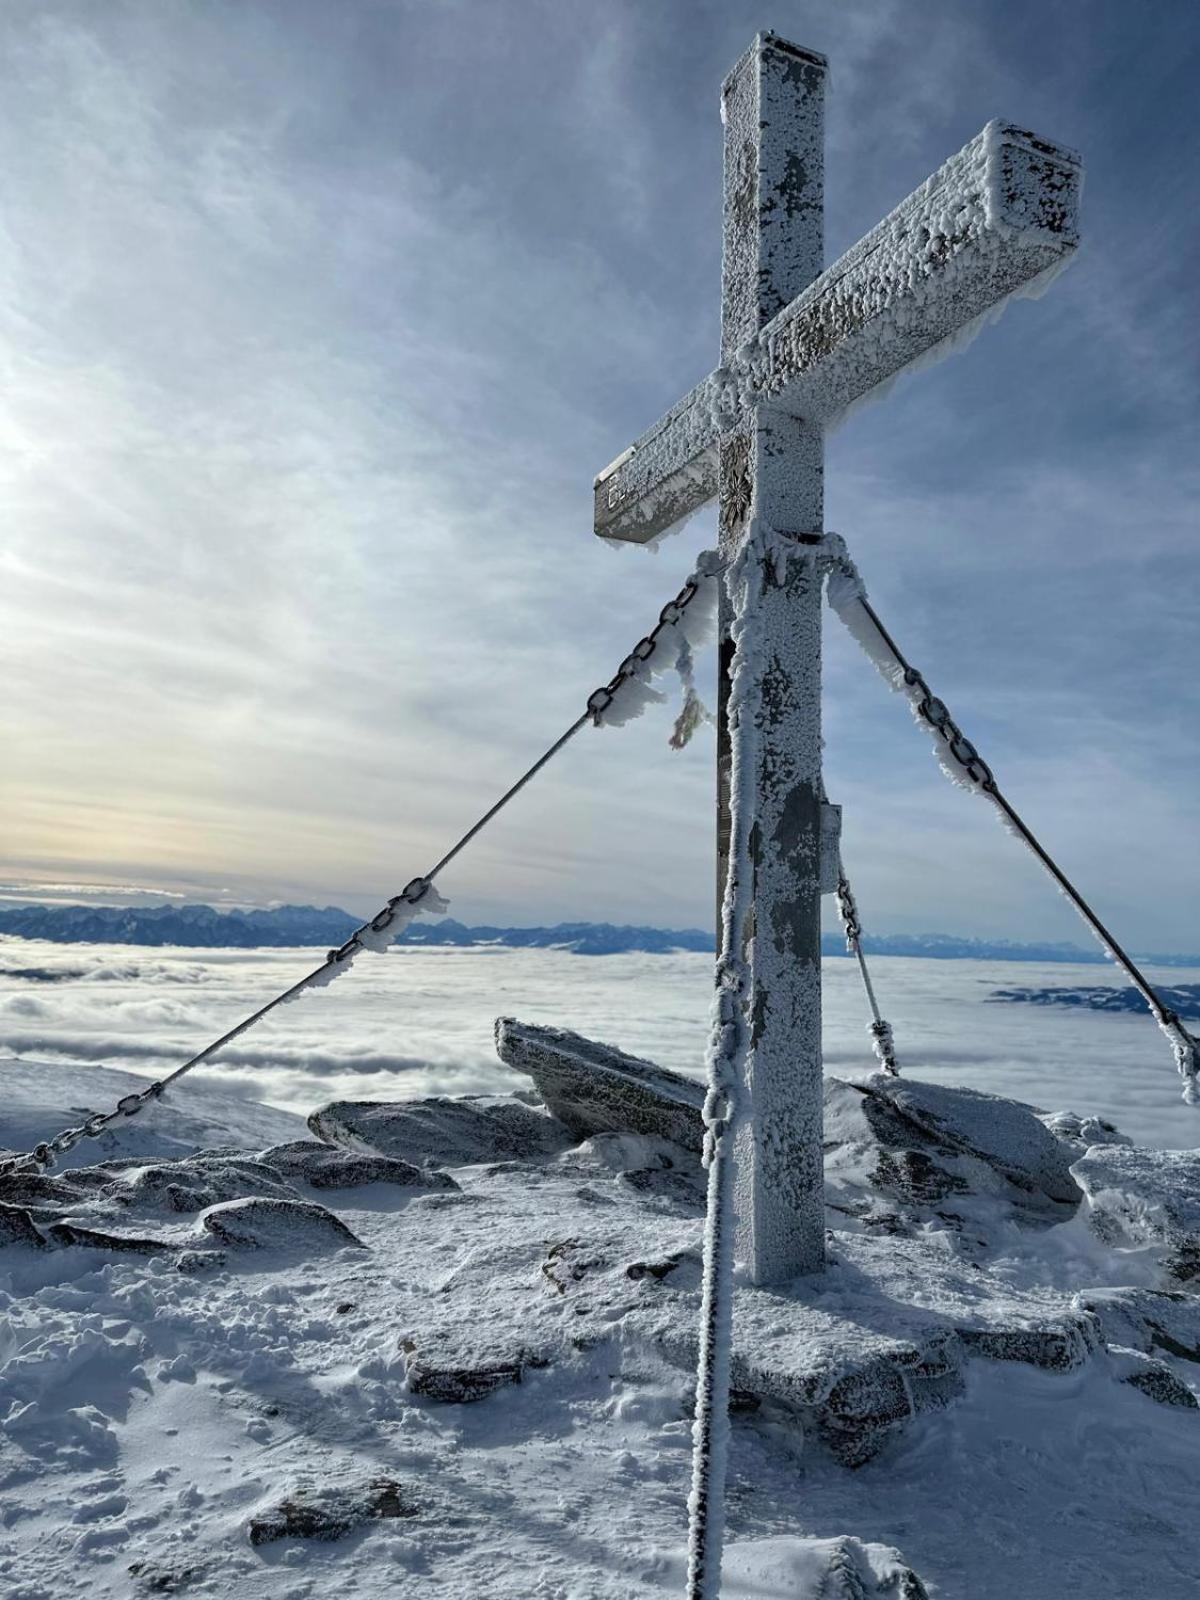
(771, 494)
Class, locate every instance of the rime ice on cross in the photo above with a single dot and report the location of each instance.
(798, 346)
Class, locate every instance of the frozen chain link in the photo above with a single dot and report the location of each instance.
(883, 1041)
(709, 565)
(935, 714)
(44, 1155)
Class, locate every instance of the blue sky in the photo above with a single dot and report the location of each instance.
(316, 322)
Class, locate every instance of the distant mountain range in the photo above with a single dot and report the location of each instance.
(204, 927)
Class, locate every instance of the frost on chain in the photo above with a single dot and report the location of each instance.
(382, 931)
(693, 626)
(846, 592)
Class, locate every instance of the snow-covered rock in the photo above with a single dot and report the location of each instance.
(595, 1088)
(1080, 1133)
(456, 1365)
(205, 1179)
(326, 1167)
(1008, 1136)
(327, 1512)
(292, 1226)
(1146, 1199)
(1147, 1319)
(16, 1227)
(816, 1569)
(74, 1234)
(1153, 1378)
(442, 1132)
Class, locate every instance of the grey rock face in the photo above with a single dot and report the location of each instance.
(1147, 1319)
(326, 1167)
(1146, 1197)
(458, 1380)
(71, 1233)
(309, 1512)
(1008, 1136)
(1153, 1378)
(441, 1132)
(282, 1225)
(16, 1227)
(899, 1158)
(593, 1088)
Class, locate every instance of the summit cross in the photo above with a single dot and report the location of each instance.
(798, 346)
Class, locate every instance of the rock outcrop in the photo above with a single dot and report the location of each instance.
(1146, 1199)
(595, 1088)
(310, 1511)
(291, 1226)
(16, 1227)
(441, 1132)
(817, 1569)
(324, 1166)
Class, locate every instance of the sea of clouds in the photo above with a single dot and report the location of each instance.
(419, 1021)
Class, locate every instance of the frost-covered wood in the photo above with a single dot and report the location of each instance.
(997, 220)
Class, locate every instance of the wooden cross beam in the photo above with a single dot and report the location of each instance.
(798, 346)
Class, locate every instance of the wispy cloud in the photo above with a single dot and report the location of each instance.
(315, 323)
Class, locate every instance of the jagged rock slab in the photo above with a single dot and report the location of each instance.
(312, 1512)
(16, 1227)
(1146, 1198)
(893, 1174)
(1153, 1378)
(442, 1132)
(594, 1088)
(456, 1366)
(71, 1233)
(1147, 1319)
(324, 1166)
(294, 1226)
(787, 1568)
(1005, 1134)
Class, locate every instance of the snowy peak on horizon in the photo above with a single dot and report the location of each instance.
(208, 927)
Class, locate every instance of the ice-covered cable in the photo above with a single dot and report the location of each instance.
(963, 764)
(883, 1041)
(728, 1045)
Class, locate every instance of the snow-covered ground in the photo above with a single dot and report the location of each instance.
(420, 1022)
(150, 1414)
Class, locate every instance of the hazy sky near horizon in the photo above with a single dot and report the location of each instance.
(316, 322)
